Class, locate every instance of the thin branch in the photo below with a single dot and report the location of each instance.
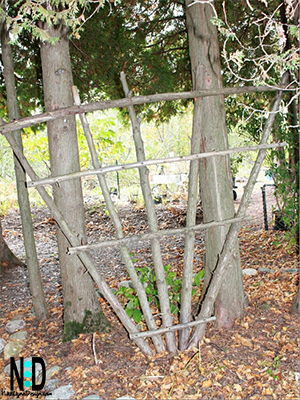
(149, 236)
(171, 328)
(162, 288)
(123, 167)
(132, 101)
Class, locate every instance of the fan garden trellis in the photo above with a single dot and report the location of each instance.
(80, 249)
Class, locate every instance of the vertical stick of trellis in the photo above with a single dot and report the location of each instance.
(152, 222)
(157, 340)
(189, 248)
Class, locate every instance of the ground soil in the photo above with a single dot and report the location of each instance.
(257, 359)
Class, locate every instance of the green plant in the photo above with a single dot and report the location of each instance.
(235, 161)
(273, 370)
(287, 199)
(148, 279)
(108, 147)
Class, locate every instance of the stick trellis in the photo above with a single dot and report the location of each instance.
(80, 250)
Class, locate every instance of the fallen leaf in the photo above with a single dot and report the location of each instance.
(206, 384)
(237, 387)
(243, 341)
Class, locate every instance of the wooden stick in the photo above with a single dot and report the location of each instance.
(171, 328)
(162, 288)
(149, 236)
(154, 98)
(122, 167)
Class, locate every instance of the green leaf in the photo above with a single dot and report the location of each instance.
(149, 290)
(167, 267)
(137, 315)
(129, 311)
(130, 304)
(197, 278)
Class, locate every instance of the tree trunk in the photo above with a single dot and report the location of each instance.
(215, 173)
(80, 298)
(6, 255)
(36, 286)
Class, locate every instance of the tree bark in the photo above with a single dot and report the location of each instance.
(35, 280)
(78, 288)
(215, 173)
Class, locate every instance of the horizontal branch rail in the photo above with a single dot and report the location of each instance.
(132, 101)
(122, 167)
(170, 329)
(149, 236)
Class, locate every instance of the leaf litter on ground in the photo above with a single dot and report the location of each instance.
(256, 359)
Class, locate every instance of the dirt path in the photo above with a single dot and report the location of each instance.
(108, 260)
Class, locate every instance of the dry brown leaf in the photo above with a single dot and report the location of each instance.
(206, 384)
(237, 387)
(243, 341)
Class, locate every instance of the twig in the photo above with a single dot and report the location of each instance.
(94, 350)
(154, 98)
(123, 167)
(149, 236)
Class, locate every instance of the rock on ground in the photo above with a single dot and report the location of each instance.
(62, 393)
(15, 325)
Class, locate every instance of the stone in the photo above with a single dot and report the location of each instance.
(62, 393)
(264, 307)
(21, 335)
(267, 270)
(249, 271)
(51, 371)
(15, 325)
(38, 367)
(125, 398)
(50, 385)
(12, 348)
(92, 397)
(2, 344)
(127, 284)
